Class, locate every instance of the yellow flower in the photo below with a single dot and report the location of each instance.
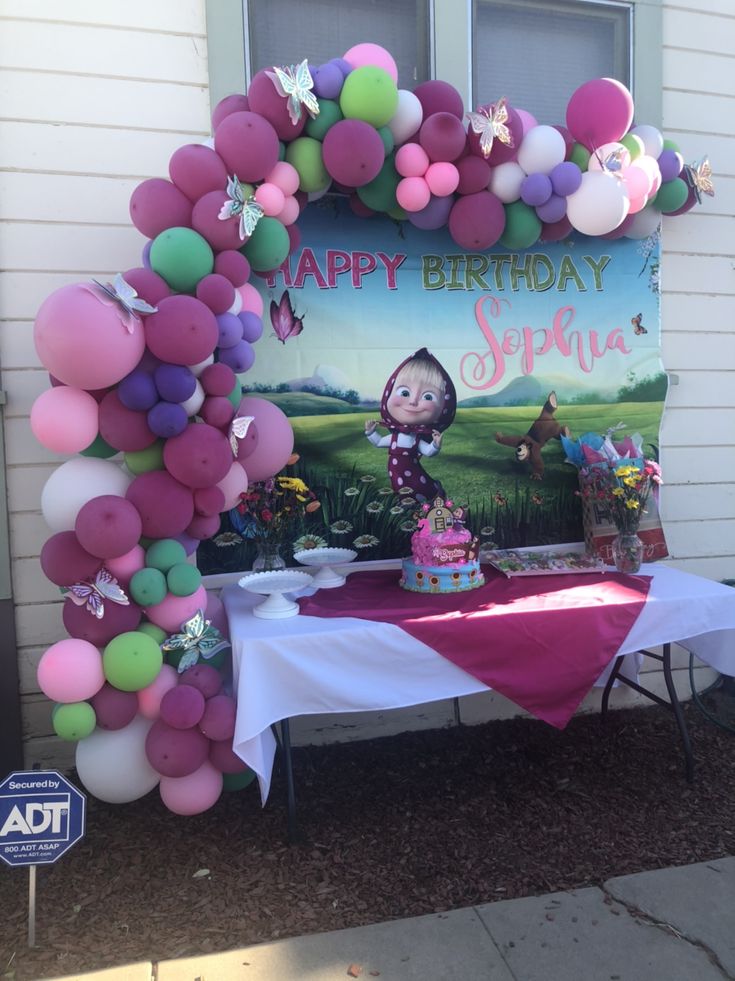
(293, 484)
(632, 505)
(617, 492)
(630, 481)
(623, 471)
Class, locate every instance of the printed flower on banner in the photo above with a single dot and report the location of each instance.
(227, 539)
(341, 527)
(374, 507)
(308, 542)
(351, 491)
(366, 541)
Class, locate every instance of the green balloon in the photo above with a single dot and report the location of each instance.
(522, 226)
(183, 579)
(329, 114)
(634, 145)
(370, 94)
(74, 720)
(143, 461)
(235, 396)
(580, 155)
(238, 781)
(221, 659)
(100, 449)
(164, 553)
(269, 244)
(148, 587)
(157, 633)
(398, 213)
(182, 257)
(387, 137)
(305, 154)
(671, 195)
(671, 145)
(380, 193)
(281, 150)
(132, 660)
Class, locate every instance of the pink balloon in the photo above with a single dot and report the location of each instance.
(156, 205)
(183, 331)
(477, 221)
(248, 143)
(82, 341)
(175, 752)
(218, 717)
(266, 100)
(599, 111)
(149, 698)
(198, 457)
(124, 567)
(413, 193)
(438, 96)
(527, 120)
(204, 677)
(171, 612)
(124, 428)
(442, 178)
(217, 614)
(205, 220)
(371, 54)
(194, 793)
(114, 709)
(353, 152)
(64, 561)
(289, 212)
(271, 199)
(108, 526)
(70, 671)
(412, 160)
(165, 506)
(118, 619)
(275, 438)
(285, 176)
(182, 707)
(196, 169)
(234, 484)
(65, 420)
(443, 136)
(638, 183)
(251, 299)
(228, 105)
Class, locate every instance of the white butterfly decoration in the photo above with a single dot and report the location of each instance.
(699, 178)
(92, 593)
(295, 83)
(250, 211)
(489, 122)
(612, 162)
(121, 295)
(239, 429)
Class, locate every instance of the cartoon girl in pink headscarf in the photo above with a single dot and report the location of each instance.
(418, 404)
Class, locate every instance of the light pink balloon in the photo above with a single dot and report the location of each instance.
(70, 671)
(637, 183)
(285, 176)
(194, 793)
(172, 611)
(442, 178)
(527, 120)
(412, 160)
(271, 199)
(149, 698)
(251, 299)
(651, 169)
(233, 485)
(368, 53)
(289, 212)
(413, 193)
(125, 566)
(216, 614)
(65, 420)
(275, 438)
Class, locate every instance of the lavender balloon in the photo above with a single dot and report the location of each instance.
(175, 382)
(137, 391)
(565, 178)
(167, 419)
(240, 357)
(434, 215)
(328, 80)
(252, 326)
(536, 189)
(552, 210)
(670, 164)
(230, 330)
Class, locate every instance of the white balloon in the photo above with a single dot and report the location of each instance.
(113, 765)
(74, 483)
(197, 369)
(653, 141)
(237, 304)
(541, 149)
(599, 204)
(209, 142)
(315, 195)
(407, 118)
(505, 181)
(644, 224)
(194, 403)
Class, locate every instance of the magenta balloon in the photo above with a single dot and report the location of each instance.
(217, 410)
(552, 210)
(266, 100)
(196, 169)
(438, 96)
(118, 619)
(184, 331)
(218, 379)
(234, 266)
(124, 428)
(434, 215)
(500, 152)
(477, 221)
(620, 231)
(209, 500)
(203, 526)
(228, 105)
(182, 707)
(556, 231)
(230, 332)
(148, 285)
(474, 174)
(248, 143)
(64, 561)
(353, 152)
(200, 457)
(442, 136)
(568, 140)
(275, 438)
(599, 111)
(175, 752)
(205, 220)
(114, 708)
(294, 237)
(165, 506)
(108, 526)
(218, 719)
(223, 757)
(156, 205)
(217, 292)
(240, 357)
(204, 677)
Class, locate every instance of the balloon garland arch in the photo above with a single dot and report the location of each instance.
(146, 367)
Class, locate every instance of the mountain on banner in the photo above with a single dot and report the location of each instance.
(528, 389)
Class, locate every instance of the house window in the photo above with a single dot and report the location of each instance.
(324, 29)
(537, 52)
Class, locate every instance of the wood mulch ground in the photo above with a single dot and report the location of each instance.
(395, 827)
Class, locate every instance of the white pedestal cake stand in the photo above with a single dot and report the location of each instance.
(274, 585)
(323, 560)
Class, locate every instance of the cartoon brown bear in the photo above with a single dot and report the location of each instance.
(529, 447)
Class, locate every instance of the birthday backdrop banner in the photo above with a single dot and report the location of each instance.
(560, 338)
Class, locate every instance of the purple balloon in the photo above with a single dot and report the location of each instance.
(344, 66)
(353, 152)
(240, 357)
(175, 752)
(328, 80)
(670, 164)
(230, 330)
(182, 707)
(190, 544)
(167, 419)
(536, 189)
(252, 326)
(137, 391)
(145, 256)
(175, 382)
(114, 708)
(565, 178)
(552, 210)
(434, 215)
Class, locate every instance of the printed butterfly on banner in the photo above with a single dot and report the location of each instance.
(239, 430)
(250, 212)
(124, 298)
(699, 177)
(295, 83)
(285, 322)
(489, 122)
(94, 592)
(198, 638)
(637, 322)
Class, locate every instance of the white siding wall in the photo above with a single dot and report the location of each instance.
(95, 97)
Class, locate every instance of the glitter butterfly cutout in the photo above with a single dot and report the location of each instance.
(637, 322)
(124, 298)
(239, 430)
(489, 122)
(699, 178)
(612, 162)
(295, 83)
(92, 593)
(198, 638)
(283, 317)
(249, 212)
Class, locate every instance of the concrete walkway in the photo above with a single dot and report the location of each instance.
(675, 924)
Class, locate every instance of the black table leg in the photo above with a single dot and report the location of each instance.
(678, 714)
(290, 793)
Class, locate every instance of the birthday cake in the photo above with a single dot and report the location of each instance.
(444, 554)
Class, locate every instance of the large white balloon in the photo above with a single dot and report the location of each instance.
(74, 483)
(599, 204)
(407, 118)
(505, 181)
(113, 765)
(541, 149)
(653, 141)
(644, 224)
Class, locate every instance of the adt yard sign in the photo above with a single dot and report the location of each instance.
(41, 816)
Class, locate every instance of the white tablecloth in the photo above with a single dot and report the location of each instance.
(308, 665)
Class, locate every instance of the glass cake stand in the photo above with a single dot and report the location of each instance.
(323, 559)
(274, 585)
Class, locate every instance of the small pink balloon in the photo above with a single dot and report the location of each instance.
(182, 707)
(527, 120)
(171, 612)
(70, 671)
(149, 698)
(271, 199)
(251, 299)
(285, 176)
(412, 160)
(216, 614)
(637, 183)
(217, 720)
(442, 178)
(368, 53)
(289, 212)
(413, 193)
(192, 794)
(124, 567)
(65, 420)
(233, 485)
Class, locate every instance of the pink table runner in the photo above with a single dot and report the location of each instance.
(541, 641)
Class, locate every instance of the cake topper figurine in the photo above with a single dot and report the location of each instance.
(418, 405)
